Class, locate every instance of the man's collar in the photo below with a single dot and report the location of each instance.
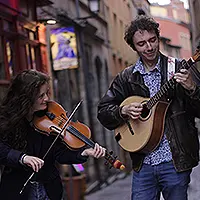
(139, 66)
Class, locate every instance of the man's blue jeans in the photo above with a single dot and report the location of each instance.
(152, 180)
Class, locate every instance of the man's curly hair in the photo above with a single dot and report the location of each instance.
(142, 23)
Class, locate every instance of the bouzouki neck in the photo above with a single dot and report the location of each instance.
(170, 84)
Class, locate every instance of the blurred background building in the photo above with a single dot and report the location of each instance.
(174, 22)
(20, 46)
(194, 9)
(83, 49)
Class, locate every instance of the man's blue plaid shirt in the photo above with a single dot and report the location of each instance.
(152, 80)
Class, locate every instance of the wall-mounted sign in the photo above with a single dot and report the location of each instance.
(63, 48)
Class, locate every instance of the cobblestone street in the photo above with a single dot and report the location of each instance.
(121, 189)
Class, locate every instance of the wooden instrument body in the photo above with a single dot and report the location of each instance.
(53, 126)
(75, 135)
(148, 130)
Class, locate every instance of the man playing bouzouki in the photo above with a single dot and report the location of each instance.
(141, 99)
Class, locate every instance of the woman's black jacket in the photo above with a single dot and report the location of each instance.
(15, 175)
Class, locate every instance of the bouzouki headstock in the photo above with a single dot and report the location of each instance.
(196, 56)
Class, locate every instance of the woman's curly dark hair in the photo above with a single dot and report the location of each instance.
(143, 23)
(16, 105)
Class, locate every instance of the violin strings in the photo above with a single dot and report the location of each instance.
(82, 137)
(75, 132)
(90, 142)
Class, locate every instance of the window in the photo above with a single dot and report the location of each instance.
(196, 6)
(10, 57)
(2, 67)
(175, 14)
(6, 49)
(185, 41)
(158, 11)
(165, 47)
(19, 46)
(23, 5)
(99, 66)
(28, 56)
(177, 53)
(7, 25)
(120, 64)
(33, 51)
(115, 36)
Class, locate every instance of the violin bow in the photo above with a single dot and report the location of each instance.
(59, 134)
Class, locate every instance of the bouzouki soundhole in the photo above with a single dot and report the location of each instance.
(146, 113)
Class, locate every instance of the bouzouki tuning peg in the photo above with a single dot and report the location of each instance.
(111, 152)
(106, 163)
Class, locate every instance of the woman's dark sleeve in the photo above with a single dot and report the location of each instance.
(8, 156)
(64, 155)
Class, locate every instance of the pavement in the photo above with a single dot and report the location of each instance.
(121, 188)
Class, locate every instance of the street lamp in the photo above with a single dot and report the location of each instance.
(51, 21)
(94, 5)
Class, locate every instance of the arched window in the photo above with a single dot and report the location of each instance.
(98, 65)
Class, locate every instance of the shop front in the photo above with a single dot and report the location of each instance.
(21, 47)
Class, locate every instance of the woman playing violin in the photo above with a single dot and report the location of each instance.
(22, 147)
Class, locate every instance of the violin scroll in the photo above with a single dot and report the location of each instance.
(113, 161)
(118, 165)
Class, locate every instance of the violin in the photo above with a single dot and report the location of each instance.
(75, 135)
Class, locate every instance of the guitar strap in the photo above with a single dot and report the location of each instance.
(170, 68)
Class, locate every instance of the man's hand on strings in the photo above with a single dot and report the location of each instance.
(132, 110)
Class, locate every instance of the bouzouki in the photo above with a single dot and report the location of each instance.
(144, 134)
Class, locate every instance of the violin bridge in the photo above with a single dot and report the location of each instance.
(55, 129)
